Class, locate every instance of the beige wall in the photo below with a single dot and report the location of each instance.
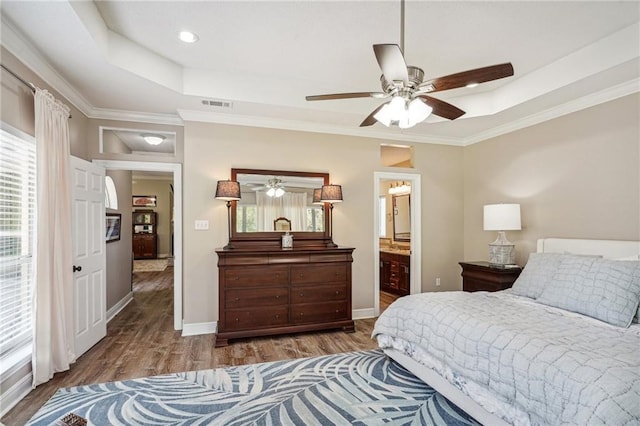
(17, 104)
(212, 150)
(576, 177)
(159, 188)
(119, 252)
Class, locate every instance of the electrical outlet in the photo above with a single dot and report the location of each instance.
(202, 225)
(437, 282)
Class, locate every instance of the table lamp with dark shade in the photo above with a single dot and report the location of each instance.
(229, 191)
(331, 194)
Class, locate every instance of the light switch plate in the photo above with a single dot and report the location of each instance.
(202, 225)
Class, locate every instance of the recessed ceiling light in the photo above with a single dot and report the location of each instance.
(188, 36)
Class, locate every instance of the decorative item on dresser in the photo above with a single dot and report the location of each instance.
(266, 291)
(394, 272)
(145, 237)
(484, 276)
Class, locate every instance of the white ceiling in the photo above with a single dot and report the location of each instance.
(122, 59)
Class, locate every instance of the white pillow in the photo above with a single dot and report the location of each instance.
(604, 289)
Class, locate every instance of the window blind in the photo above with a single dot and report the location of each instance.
(17, 231)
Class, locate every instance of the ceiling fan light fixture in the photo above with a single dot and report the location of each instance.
(418, 111)
(153, 139)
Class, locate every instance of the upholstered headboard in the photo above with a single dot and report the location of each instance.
(609, 249)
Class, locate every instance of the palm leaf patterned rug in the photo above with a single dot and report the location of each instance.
(360, 388)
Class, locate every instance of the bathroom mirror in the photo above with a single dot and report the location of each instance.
(133, 141)
(268, 195)
(402, 217)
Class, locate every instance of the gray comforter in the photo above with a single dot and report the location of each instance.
(555, 366)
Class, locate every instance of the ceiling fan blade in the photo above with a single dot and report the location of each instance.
(346, 96)
(391, 61)
(442, 108)
(370, 120)
(461, 79)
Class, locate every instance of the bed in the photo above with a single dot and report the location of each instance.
(561, 347)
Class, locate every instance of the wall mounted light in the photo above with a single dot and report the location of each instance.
(331, 194)
(229, 191)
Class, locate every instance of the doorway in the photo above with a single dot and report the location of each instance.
(176, 170)
(414, 243)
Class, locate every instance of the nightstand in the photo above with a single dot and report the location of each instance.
(482, 276)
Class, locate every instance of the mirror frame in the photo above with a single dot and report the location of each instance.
(274, 238)
(394, 206)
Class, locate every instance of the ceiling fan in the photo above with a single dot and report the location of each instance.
(274, 187)
(410, 103)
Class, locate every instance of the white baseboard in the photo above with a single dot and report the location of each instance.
(115, 309)
(358, 314)
(197, 328)
(15, 393)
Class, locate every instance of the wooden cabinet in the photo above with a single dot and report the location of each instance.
(483, 276)
(395, 273)
(145, 237)
(267, 292)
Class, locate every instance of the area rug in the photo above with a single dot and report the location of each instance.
(359, 388)
(150, 265)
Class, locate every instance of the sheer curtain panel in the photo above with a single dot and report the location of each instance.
(54, 347)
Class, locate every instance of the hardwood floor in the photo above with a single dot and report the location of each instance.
(141, 342)
(386, 299)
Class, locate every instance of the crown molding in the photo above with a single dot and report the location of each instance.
(593, 99)
(303, 126)
(139, 117)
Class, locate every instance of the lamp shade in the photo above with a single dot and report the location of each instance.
(317, 193)
(228, 190)
(331, 194)
(502, 217)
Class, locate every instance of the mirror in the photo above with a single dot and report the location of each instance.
(130, 141)
(402, 217)
(271, 198)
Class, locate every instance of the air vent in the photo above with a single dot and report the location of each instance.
(217, 103)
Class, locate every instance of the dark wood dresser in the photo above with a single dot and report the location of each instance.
(483, 276)
(278, 291)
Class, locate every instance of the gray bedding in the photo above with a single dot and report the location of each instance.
(550, 366)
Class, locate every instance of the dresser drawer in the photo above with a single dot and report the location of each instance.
(243, 319)
(319, 274)
(258, 297)
(319, 312)
(318, 294)
(258, 276)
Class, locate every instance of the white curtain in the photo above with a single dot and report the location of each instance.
(268, 210)
(53, 343)
(294, 208)
(292, 205)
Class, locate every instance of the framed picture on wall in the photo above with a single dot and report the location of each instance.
(144, 201)
(113, 227)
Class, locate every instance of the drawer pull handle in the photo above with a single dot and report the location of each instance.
(301, 294)
(301, 275)
(237, 299)
(337, 273)
(236, 278)
(337, 291)
(301, 314)
(337, 310)
(277, 296)
(237, 319)
(278, 316)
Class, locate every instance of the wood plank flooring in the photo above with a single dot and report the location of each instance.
(141, 342)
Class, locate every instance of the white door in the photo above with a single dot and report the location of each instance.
(89, 256)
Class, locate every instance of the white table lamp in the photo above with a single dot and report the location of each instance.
(501, 218)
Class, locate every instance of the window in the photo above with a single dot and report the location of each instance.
(315, 219)
(110, 194)
(17, 230)
(382, 212)
(246, 218)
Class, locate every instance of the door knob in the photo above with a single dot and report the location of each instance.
(77, 268)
